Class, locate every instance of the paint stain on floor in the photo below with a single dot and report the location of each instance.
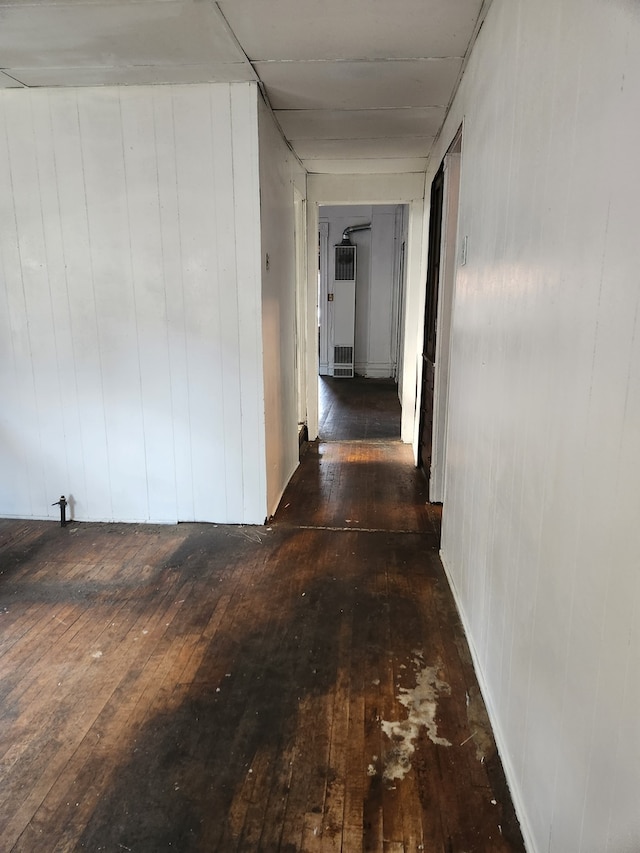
(421, 703)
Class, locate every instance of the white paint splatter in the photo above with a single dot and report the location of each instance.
(418, 658)
(96, 655)
(421, 703)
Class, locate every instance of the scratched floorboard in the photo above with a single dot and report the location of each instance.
(212, 688)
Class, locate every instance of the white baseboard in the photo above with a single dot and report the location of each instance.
(375, 371)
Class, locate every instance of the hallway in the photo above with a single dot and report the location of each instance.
(358, 409)
(303, 686)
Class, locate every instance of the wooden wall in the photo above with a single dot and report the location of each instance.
(280, 173)
(130, 335)
(540, 519)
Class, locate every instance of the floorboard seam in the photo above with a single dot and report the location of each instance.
(284, 524)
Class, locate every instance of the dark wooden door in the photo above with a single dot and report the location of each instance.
(430, 320)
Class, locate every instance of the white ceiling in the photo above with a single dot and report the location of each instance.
(356, 85)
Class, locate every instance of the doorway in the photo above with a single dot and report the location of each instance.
(439, 301)
(360, 319)
(358, 409)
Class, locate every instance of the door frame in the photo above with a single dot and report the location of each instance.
(300, 236)
(432, 288)
(438, 337)
(370, 189)
(448, 268)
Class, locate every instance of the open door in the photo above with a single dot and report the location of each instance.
(431, 311)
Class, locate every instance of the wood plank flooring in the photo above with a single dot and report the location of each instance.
(358, 408)
(303, 686)
(359, 485)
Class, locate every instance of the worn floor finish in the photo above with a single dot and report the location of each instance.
(299, 687)
(358, 409)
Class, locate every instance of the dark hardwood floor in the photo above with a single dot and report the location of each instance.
(304, 686)
(358, 408)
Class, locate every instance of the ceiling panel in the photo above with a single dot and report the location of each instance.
(359, 85)
(339, 149)
(94, 35)
(360, 124)
(351, 29)
(386, 166)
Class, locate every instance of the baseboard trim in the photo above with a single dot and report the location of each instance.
(375, 371)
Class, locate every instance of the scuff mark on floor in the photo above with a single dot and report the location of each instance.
(479, 724)
(422, 704)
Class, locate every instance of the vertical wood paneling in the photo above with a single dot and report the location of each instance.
(40, 338)
(279, 174)
(384, 285)
(247, 216)
(227, 274)
(111, 254)
(540, 533)
(178, 376)
(149, 286)
(124, 375)
(82, 371)
(61, 401)
(198, 238)
(15, 443)
(29, 257)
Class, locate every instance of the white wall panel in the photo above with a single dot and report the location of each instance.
(124, 378)
(147, 253)
(246, 175)
(381, 359)
(199, 241)
(280, 172)
(540, 532)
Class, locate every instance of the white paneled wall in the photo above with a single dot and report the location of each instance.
(540, 530)
(380, 358)
(130, 335)
(280, 172)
